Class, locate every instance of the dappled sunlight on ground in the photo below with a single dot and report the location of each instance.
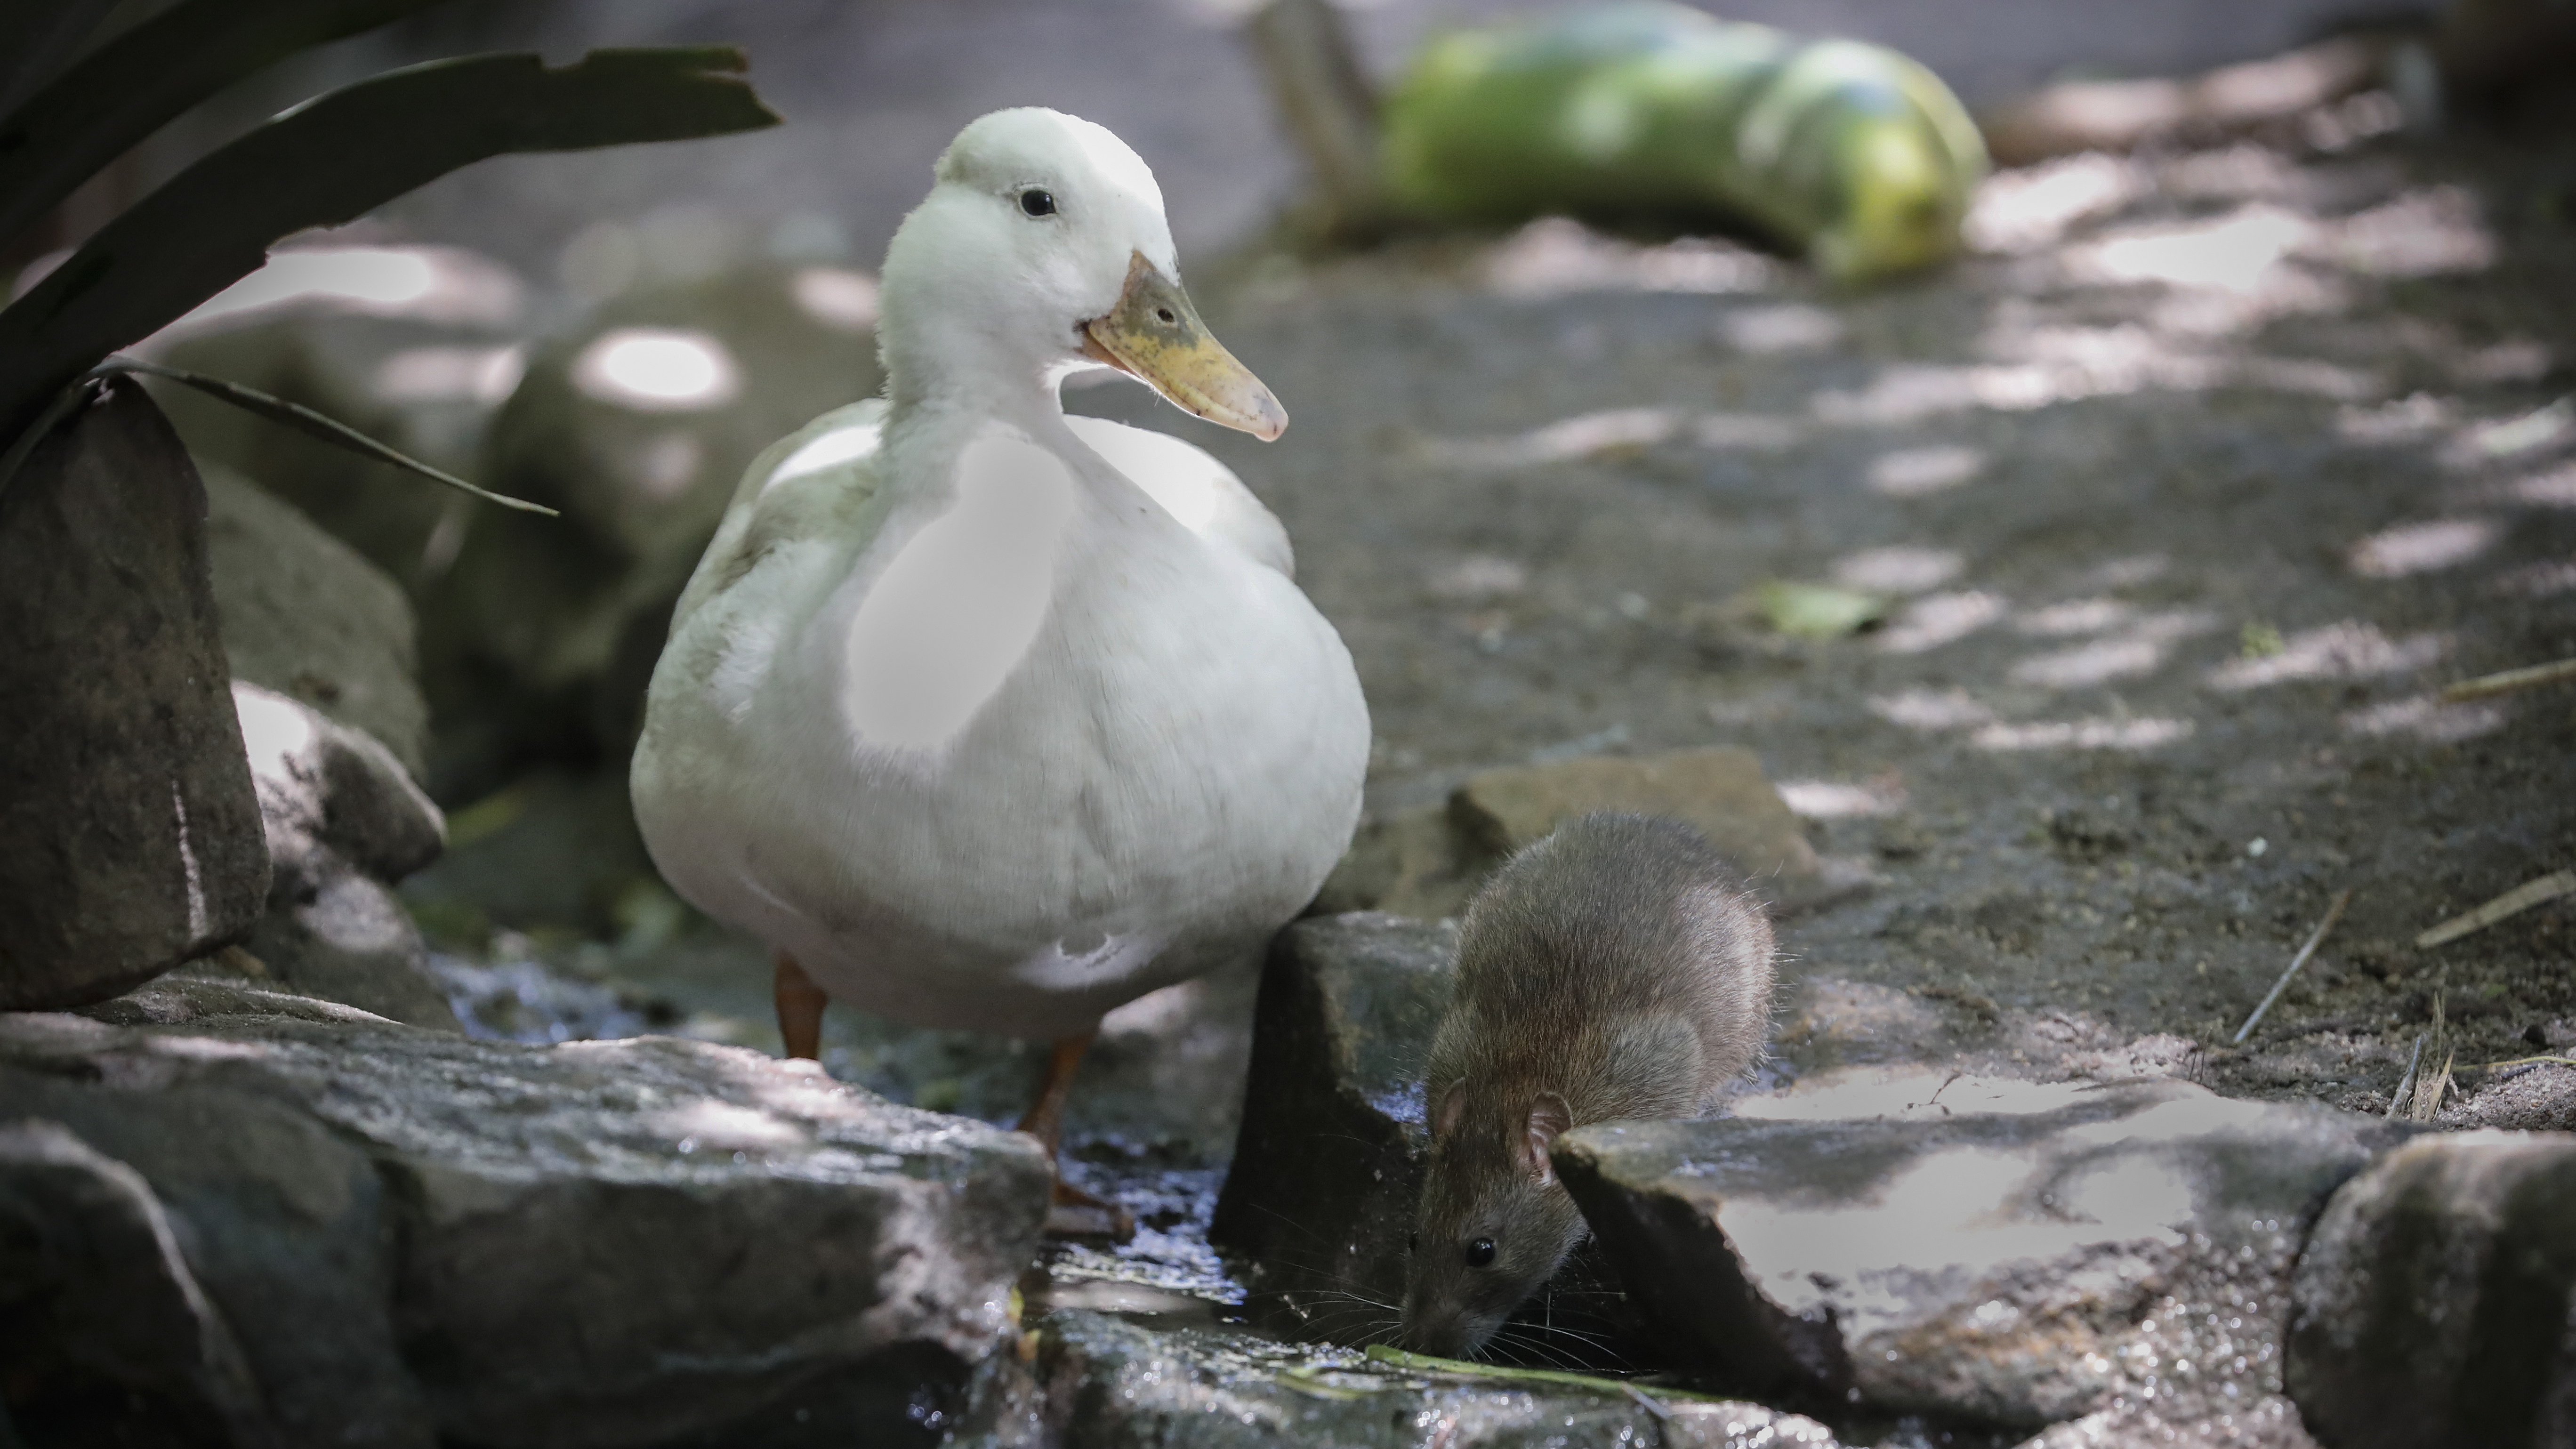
(1840, 800)
(2414, 548)
(2426, 717)
(1917, 472)
(2085, 734)
(1555, 257)
(1902, 569)
(1938, 619)
(2347, 649)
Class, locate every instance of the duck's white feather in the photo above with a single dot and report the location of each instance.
(1010, 750)
(991, 717)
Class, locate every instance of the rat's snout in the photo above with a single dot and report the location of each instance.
(1443, 1315)
(1443, 1336)
(1451, 1332)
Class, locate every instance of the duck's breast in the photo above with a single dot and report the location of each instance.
(1039, 733)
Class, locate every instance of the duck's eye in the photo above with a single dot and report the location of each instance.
(1038, 201)
(1480, 1253)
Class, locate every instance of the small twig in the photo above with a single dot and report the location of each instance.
(2429, 1092)
(2406, 1083)
(2557, 672)
(2513, 902)
(2520, 1062)
(2334, 913)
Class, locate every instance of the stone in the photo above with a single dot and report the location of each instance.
(2433, 1303)
(1105, 1382)
(129, 836)
(421, 1238)
(1427, 862)
(1411, 863)
(343, 823)
(308, 616)
(1721, 790)
(98, 1305)
(286, 1225)
(1318, 1204)
(1973, 1249)
(637, 424)
(1328, 1165)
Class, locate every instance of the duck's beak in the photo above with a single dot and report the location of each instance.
(1155, 335)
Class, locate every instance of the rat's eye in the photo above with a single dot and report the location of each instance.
(1038, 201)
(1413, 1242)
(1480, 1253)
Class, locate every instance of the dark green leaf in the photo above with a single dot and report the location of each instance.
(35, 40)
(141, 80)
(314, 425)
(332, 160)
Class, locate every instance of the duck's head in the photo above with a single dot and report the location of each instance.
(1043, 250)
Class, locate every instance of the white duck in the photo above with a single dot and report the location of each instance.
(981, 715)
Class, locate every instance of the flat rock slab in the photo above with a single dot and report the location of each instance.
(1427, 862)
(2432, 1306)
(1976, 1249)
(1720, 790)
(1104, 1383)
(416, 1237)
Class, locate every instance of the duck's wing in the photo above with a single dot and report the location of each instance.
(1202, 493)
(800, 487)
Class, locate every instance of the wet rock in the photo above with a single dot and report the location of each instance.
(1428, 862)
(418, 1236)
(308, 616)
(129, 836)
(2432, 1303)
(343, 823)
(415, 346)
(98, 1309)
(1327, 1168)
(283, 1223)
(1973, 1249)
(1318, 1204)
(637, 425)
(1110, 1383)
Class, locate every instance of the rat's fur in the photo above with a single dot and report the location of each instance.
(1616, 969)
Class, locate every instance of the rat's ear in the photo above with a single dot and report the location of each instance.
(1548, 1116)
(1453, 1103)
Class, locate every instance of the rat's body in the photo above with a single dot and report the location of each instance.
(1616, 969)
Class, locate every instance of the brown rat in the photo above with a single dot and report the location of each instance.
(1615, 969)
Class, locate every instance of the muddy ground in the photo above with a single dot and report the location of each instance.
(2186, 493)
(2192, 499)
